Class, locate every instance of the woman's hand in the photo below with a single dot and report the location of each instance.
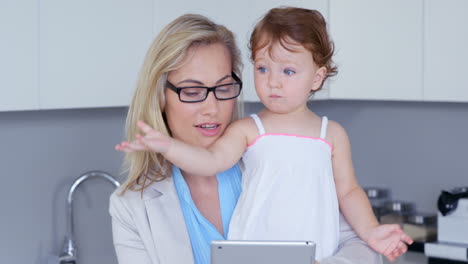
(389, 240)
(152, 140)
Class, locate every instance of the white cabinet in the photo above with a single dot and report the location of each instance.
(91, 51)
(78, 54)
(445, 50)
(378, 49)
(18, 55)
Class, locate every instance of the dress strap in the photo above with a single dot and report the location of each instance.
(323, 130)
(259, 124)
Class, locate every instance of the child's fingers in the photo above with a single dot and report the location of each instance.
(123, 149)
(395, 254)
(155, 144)
(144, 127)
(134, 146)
(399, 250)
(122, 146)
(137, 146)
(390, 258)
(405, 238)
(119, 148)
(149, 132)
(395, 228)
(402, 248)
(391, 247)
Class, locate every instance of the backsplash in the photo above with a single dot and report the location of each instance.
(414, 149)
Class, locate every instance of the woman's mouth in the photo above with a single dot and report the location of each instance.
(209, 129)
(208, 126)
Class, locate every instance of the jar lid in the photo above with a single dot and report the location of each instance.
(400, 207)
(419, 218)
(376, 193)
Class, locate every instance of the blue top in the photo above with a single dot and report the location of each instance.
(201, 231)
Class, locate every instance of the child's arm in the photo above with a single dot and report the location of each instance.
(354, 204)
(222, 155)
(352, 200)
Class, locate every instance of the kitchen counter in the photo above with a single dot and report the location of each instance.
(419, 247)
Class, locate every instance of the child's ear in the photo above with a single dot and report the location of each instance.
(320, 74)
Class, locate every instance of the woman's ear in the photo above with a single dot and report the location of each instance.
(320, 74)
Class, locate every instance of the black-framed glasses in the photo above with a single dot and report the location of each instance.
(194, 94)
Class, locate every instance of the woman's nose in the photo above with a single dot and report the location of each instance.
(210, 105)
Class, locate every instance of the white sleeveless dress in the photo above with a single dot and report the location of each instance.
(288, 191)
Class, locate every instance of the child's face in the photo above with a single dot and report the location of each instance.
(284, 81)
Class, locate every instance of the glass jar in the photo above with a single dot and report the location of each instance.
(396, 212)
(421, 227)
(377, 198)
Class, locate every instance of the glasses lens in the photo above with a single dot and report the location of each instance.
(227, 91)
(193, 94)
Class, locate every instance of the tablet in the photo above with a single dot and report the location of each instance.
(255, 252)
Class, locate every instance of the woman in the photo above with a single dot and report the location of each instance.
(162, 214)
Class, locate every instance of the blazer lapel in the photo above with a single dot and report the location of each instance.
(167, 223)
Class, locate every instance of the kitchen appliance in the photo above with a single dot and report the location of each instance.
(452, 225)
(452, 219)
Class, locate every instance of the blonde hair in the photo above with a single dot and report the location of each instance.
(165, 55)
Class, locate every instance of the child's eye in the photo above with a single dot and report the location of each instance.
(289, 72)
(261, 69)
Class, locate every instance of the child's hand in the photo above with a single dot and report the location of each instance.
(152, 140)
(389, 240)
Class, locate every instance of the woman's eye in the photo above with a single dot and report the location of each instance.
(289, 72)
(261, 69)
(224, 89)
(191, 92)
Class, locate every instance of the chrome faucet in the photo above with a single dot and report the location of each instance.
(69, 251)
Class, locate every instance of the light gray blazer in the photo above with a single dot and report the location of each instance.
(150, 229)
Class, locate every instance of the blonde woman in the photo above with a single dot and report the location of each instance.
(163, 215)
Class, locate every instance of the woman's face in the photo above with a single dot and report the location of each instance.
(203, 122)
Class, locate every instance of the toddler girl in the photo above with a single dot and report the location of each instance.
(297, 165)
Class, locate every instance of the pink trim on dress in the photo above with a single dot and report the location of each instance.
(289, 135)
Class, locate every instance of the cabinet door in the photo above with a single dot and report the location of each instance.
(19, 55)
(378, 49)
(238, 16)
(91, 51)
(446, 42)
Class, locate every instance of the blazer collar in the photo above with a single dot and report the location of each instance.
(167, 223)
(158, 188)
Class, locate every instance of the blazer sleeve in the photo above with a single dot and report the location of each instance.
(128, 244)
(351, 249)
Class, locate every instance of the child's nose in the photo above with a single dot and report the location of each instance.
(273, 80)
